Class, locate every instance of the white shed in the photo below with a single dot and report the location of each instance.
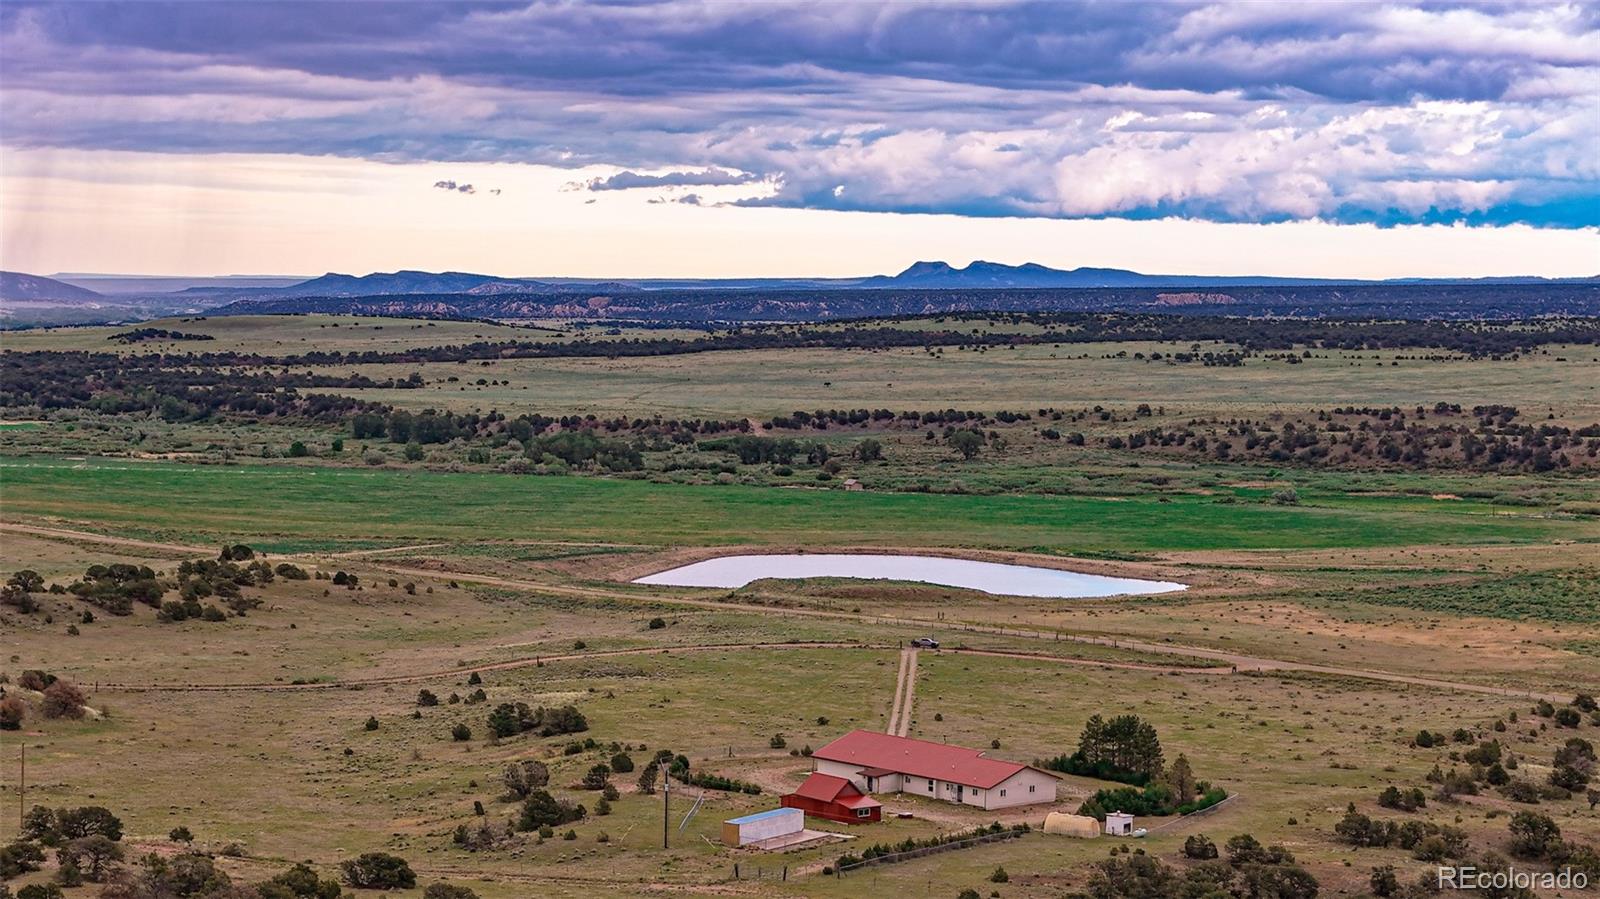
(762, 826)
(1119, 824)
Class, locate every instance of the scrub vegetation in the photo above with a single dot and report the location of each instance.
(353, 599)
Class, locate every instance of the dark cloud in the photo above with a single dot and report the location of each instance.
(626, 180)
(458, 188)
(1351, 111)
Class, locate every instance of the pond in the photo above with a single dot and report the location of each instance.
(989, 577)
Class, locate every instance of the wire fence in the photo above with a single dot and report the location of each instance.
(893, 857)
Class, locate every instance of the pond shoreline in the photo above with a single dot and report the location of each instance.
(999, 578)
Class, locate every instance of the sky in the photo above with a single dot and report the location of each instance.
(720, 139)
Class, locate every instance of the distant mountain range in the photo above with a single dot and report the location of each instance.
(924, 287)
(935, 275)
(919, 276)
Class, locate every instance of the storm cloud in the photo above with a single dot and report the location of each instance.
(1482, 113)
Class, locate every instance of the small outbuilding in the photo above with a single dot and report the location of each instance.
(834, 798)
(853, 484)
(1119, 824)
(1081, 826)
(763, 826)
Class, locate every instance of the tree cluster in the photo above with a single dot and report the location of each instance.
(511, 718)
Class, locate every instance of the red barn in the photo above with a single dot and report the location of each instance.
(834, 798)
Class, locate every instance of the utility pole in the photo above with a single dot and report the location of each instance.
(22, 788)
(666, 800)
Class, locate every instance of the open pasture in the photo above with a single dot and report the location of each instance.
(763, 383)
(256, 501)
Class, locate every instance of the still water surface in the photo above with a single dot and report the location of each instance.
(990, 577)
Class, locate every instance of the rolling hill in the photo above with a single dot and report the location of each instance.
(17, 287)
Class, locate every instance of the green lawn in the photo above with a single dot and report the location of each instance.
(268, 502)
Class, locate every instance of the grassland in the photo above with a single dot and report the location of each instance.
(766, 383)
(312, 502)
(276, 335)
(1318, 635)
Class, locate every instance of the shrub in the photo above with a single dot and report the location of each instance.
(999, 876)
(460, 733)
(542, 810)
(716, 782)
(180, 834)
(19, 858)
(777, 741)
(621, 763)
(1200, 847)
(1521, 791)
(92, 857)
(12, 711)
(378, 871)
(1405, 801)
(87, 821)
(657, 624)
(443, 890)
(1533, 835)
(1383, 882)
(524, 776)
(63, 699)
(427, 698)
(509, 719)
(597, 777)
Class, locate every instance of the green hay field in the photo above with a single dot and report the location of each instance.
(275, 502)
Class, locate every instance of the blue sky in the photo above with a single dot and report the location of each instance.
(1483, 115)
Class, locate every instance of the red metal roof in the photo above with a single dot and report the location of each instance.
(857, 801)
(827, 788)
(918, 758)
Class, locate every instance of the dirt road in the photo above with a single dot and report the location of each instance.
(1234, 662)
(905, 691)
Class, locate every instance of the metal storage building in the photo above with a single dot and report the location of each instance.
(761, 826)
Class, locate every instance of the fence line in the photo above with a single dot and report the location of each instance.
(1199, 814)
(892, 857)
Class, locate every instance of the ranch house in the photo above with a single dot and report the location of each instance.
(882, 763)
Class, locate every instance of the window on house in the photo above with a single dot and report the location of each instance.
(1030, 788)
(863, 813)
(1002, 792)
(930, 786)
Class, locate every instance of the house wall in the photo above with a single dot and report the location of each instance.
(1026, 787)
(846, 770)
(1016, 788)
(828, 810)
